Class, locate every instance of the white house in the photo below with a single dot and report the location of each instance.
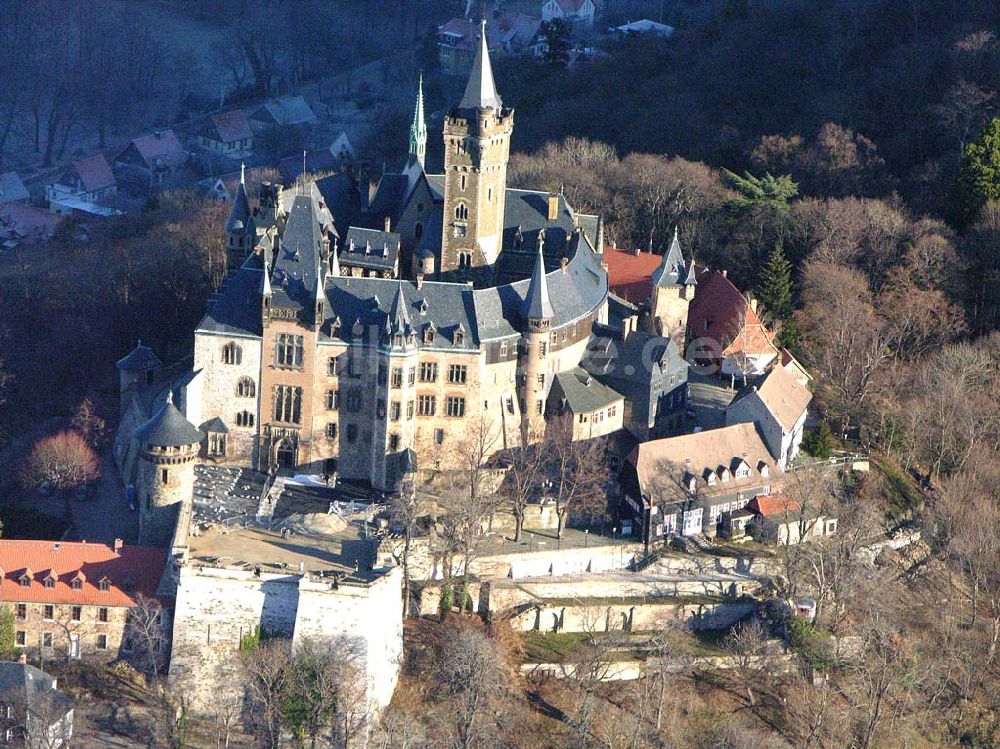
(576, 12)
(778, 406)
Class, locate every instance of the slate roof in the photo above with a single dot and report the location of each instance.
(391, 191)
(670, 271)
(12, 189)
(236, 307)
(294, 275)
(240, 217)
(343, 198)
(536, 302)
(228, 127)
(584, 393)
(781, 394)
(168, 428)
(481, 90)
(94, 173)
(140, 358)
(436, 183)
(630, 363)
(132, 571)
(21, 684)
(369, 248)
(215, 424)
(286, 110)
(160, 149)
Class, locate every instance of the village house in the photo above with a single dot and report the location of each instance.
(573, 12)
(21, 223)
(594, 408)
(778, 405)
(73, 599)
(683, 485)
(90, 180)
(12, 189)
(457, 42)
(226, 134)
(33, 712)
(776, 519)
(154, 159)
(283, 112)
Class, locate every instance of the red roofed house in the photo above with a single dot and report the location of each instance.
(629, 273)
(725, 329)
(89, 181)
(74, 599)
(779, 519)
(227, 134)
(155, 157)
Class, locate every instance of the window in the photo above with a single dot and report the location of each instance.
(46, 639)
(216, 446)
(354, 401)
(22, 611)
(331, 430)
(426, 405)
(411, 376)
(332, 400)
(541, 380)
(102, 642)
(352, 432)
(428, 371)
(383, 377)
(380, 408)
(457, 374)
(397, 377)
(439, 436)
(540, 406)
(288, 352)
(103, 584)
(463, 178)
(393, 442)
(418, 230)
(50, 582)
(21, 637)
(288, 404)
(246, 388)
(459, 336)
(462, 212)
(77, 613)
(409, 410)
(244, 419)
(333, 366)
(455, 406)
(612, 410)
(464, 258)
(102, 615)
(232, 354)
(394, 410)
(49, 612)
(164, 477)
(460, 230)
(542, 349)
(503, 349)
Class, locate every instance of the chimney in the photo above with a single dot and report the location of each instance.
(553, 206)
(753, 304)
(119, 544)
(725, 273)
(563, 263)
(420, 279)
(388, 224)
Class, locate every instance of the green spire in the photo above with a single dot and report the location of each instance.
(418, 129)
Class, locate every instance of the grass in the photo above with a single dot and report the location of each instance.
(902, 496)
(552, 647)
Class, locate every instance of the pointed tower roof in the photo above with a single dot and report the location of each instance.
(140, 358)
(671, 269)
(418, 129)
(536, 304)
(168, 427)
(265, 282)
(691, 279)
(319, 293)
(240, 218)
(334, 259)
(399, 317)
(481, 91)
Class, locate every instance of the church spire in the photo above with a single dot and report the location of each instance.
(536, 304)
(418, 129)
(481, 91)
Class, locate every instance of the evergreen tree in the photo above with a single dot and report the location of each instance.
(8, 648)
(818, 441)
(979, 173)
(775, 287)
(767, 191)
(558, 41)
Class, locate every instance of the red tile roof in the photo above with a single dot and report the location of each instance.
(231, 126)
(160, 149)
(135, 570)
(772, 504)
(629, 273)
(30, 223)
(717, 312)
(95, 173)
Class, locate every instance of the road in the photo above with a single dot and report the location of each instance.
(106, 516)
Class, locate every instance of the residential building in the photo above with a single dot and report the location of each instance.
(283, 112)
(593, 408)
(33, 712)
(21, 223)
(73, 599)
(226, 134)
(458, 40)
(573, 12)
(778, 405)
(780, 520)
(155, 158)
(90, 180)
(683, 485)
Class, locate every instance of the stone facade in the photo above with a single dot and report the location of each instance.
(51, 629)
(217, 608)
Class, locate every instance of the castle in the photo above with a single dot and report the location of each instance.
(365, 339)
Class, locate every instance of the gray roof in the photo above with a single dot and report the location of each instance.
(369, 248)
(691, 279)
(584, 393)
(389, 195)
(235, 309)
(671, 268)
(536, 303)
(139, 359)
(631, 364)
(168, 428)
(343, 199)
(21, 684)
(288, 110)
(240, 217)
(436, 183)
(294, 277)
(215, 424)
(481, 91)
(12, 189)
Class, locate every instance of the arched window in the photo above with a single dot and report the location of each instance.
(462, 182)
(462, 212)
(232, 354)
(464, 260)
(246, 388)
(418, 231)
(244, 419)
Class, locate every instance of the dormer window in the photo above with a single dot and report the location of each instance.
(725, 474)
(762, 467)
(103, 584)
(459, 335)
(76, 584)
(711, 478)
(25, 579)
(335, 325)
(692, 483)
(429, 333)
(422, 306)
(49, 581)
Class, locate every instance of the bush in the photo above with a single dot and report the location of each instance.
(8, 649)
(63, 461)
(810, 643)
(818, 441)
(447, 601)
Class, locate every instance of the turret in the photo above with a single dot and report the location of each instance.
(319, 297)
(265, 292)
(168, 448)
(136, 369)
(538, 314)
(672, 291)
(241, 233)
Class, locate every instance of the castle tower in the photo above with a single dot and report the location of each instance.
(136, 369)
(241, 234)
(673, 288)
(168, 448)
(533, 364)
(476, 149)
(418, 129)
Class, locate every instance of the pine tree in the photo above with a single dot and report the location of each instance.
(775, 288)
(818, 441)
(979, 173)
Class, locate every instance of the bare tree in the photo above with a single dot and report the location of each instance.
(267, 669)
(63, 461)
(148, 631)
(746, 648)
(523, 481)
(577, 472)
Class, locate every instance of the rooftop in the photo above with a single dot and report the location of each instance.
(95, 173)
(782, 394)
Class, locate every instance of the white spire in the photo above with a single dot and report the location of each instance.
(536, 303)
(334, 260)
(265, 284)
(481, 91)
(243, 173)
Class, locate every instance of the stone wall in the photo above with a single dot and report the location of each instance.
(637, 617)
(217, 391)
(61, 627)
